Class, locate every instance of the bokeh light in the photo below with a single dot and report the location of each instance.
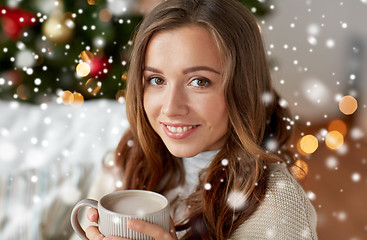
(300, 169)
(93, 86)
(348, 105)
(74, 99)
(105, 15)
(338, 125)
(78, 99)
(120, 94)
(91, 2)
(307, 144)
(24, 58)
(86, 56)
(67, 97)
(83, 69)
(124, 77)
(23, 92)
(334, 140)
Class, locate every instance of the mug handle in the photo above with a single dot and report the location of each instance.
(74, 216)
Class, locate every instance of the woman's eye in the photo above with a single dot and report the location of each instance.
(156, 81)
(199, 82)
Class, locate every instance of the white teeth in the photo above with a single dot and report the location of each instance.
(179, 129)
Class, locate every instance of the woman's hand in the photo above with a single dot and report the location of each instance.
(153, 230)
(92, 232)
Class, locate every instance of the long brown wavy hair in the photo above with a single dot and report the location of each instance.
(145, 162)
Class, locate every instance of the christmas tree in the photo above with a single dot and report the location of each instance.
(70, 51)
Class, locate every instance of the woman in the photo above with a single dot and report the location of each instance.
(201, 131)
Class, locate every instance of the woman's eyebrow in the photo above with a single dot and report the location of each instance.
(186, 71)
(151, 69)
(200, 68)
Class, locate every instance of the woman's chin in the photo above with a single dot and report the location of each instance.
(183, 152)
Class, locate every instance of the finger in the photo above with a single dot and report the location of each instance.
(93, 233)
(172, 228)
(114, 238)
(92, 215)
(149, 229)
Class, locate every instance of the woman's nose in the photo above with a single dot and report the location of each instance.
(175, 102)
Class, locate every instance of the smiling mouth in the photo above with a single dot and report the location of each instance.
(174, 129)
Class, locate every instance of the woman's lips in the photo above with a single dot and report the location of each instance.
(178, 131)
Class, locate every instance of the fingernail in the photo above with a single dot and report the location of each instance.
(134, 225)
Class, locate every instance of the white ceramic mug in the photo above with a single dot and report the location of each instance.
(115, 209)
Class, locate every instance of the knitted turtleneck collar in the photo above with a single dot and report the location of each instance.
(194, 165)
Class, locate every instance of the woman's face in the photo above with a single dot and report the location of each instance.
(183, 91)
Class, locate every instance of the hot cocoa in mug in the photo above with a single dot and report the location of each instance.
(115, 209)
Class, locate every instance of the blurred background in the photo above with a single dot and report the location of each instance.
(63, 71)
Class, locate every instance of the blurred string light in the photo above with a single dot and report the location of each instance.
(120, 96)
(105, 15)
(23, 92)
(334, 140)
(299, 169)
(307, 144)
(74, 99)
(83, 69)
(120, 7)
(124, 77)
(92, 2)
(87, 56)
(348, 105)
(94, 66)
(59, 26)
(338, 125)
(93, 86)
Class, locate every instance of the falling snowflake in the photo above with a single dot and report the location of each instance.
(341, 216)
(343, 149)
(208, 186)
(356, 133)
(118, 184)
(330, 43)
(311, 195)
(270, 233)
(356, 177)
(116, 220)
(305, 233)
(313, 29)
(267, 98)
(332, 163)
(224, 162)
(283, 103)
(271, 145)
(130, 143)
(236, 200)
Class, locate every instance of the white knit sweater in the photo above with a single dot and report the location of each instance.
(286, 213)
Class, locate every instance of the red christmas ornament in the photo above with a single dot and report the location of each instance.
(99, 67)
(14, 20)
